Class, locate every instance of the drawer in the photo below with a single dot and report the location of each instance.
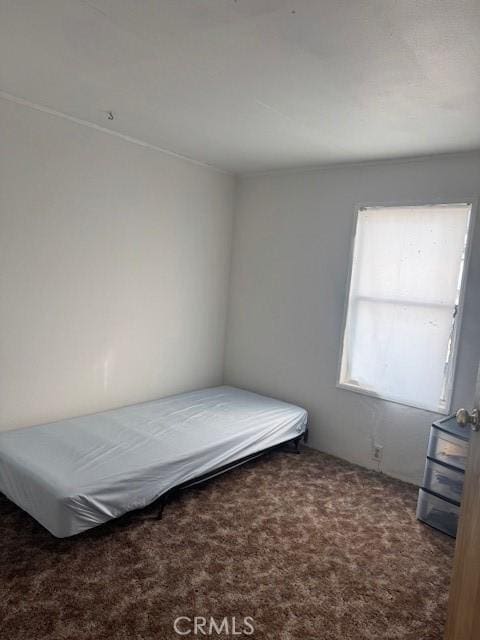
(438, 513)
(451, 426)
(443, 480)
(447, 448)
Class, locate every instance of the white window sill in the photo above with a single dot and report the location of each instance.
(369, 392)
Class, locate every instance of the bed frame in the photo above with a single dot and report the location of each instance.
(172, 493)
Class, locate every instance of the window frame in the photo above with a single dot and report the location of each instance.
(452, 370)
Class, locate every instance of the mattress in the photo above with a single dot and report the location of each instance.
(78, 473)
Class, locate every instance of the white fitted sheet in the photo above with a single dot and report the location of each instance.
(75, 474)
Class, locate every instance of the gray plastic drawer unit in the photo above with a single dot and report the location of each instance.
(441, 493)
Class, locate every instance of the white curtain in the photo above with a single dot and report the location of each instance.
(406, 273)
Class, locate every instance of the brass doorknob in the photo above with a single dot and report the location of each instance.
(465, 418)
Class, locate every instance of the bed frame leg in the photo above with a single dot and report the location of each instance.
(163, 502)
(296, 442)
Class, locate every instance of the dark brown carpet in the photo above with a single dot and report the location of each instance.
(309, 546)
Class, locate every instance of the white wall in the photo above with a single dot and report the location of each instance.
(290, 261)
(114, 262)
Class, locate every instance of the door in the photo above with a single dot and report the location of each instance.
(463, 621)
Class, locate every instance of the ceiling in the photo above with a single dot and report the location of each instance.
(248, 85)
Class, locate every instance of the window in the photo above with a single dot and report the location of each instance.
(405, 290)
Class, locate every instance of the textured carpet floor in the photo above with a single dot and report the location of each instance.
(309, 546)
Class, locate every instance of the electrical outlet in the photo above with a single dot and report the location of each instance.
(377, 452)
